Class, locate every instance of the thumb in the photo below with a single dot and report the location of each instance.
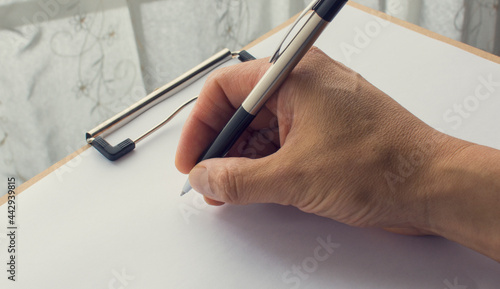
(239, 180)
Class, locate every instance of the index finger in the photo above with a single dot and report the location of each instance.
(222, 93)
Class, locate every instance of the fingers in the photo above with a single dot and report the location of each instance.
(241, 180)
(222, 93)
(213, 202)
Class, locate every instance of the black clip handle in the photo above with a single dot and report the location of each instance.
(113, 153)
(244, 56)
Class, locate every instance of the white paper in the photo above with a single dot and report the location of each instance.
(100, 224)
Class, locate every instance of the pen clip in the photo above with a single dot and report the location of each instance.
(280, 49)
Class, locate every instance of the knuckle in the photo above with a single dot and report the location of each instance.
(314, 59)
(214, 76)
(314, 50)
(316, 54)
(227, 183)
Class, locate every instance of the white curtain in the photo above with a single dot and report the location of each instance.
(67, 65)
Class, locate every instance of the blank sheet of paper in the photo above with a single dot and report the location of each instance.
(99, 224)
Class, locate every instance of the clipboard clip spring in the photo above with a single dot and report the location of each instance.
(95, 137)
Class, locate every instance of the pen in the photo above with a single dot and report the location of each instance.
(316, 17)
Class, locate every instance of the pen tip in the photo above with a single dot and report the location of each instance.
(187, 187)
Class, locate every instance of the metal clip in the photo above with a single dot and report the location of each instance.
(279, 50)
(95, 136)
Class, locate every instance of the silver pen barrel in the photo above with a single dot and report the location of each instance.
(285, 63)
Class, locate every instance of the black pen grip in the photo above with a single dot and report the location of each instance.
(229, 135)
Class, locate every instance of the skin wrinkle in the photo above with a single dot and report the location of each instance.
(215, 108)
(282, 171)
(232, 185)
(288, 169)
(356, 217)
(304, 185)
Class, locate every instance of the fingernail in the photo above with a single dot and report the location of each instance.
(198, 177)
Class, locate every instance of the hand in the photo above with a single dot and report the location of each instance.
(328, 143)
(322, 144)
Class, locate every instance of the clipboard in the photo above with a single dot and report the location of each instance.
(252, 246)
(95, 137)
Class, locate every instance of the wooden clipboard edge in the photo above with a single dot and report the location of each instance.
(405, 24)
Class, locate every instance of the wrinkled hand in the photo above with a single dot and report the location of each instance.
(328, 143)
